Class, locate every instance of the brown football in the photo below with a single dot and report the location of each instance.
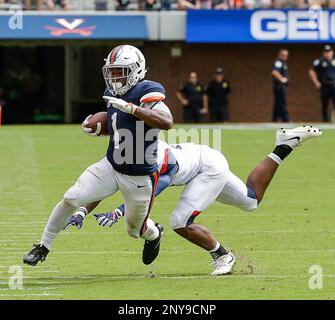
(99, 120)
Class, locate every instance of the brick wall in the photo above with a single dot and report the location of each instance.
(248, 67)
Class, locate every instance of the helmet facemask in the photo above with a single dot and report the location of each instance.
(118, 83)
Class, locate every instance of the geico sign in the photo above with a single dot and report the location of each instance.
(292, 25)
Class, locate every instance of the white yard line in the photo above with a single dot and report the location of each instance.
(32, 295)
(129, 277)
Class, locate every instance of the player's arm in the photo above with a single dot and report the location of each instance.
(77, 219)
(155, 118)
(160, 118)
(110, 218)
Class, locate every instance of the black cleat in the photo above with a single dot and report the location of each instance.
(151, 248)
(38, 253)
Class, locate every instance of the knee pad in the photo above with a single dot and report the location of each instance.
(74, 196)
(133, 232)
(177, 221)
(251, 205)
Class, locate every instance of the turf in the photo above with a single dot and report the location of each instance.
(293, 229)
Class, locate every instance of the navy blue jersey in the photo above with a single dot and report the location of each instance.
(282, 68)
(132, 146)
(325, 70)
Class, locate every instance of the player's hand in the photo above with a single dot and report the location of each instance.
(284, 80)
(109, 218)
(203, 111)
(85, 127)
(120, 104)
(318, 85)
(77, 220)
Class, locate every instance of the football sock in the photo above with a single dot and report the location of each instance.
(280, 153)
(57, 221)
(218, 251)
(152, 231)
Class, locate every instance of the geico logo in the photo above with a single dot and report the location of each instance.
(293, 25)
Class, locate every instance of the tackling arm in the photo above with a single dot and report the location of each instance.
(110, 218)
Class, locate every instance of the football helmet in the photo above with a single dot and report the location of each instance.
(124, 67)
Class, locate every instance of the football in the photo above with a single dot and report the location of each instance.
(98, 123)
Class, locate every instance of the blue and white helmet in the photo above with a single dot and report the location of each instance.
(131, 61)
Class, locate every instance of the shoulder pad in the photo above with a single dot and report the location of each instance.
(151, 91)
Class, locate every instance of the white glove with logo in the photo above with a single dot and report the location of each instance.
(120, 104)
(88, 130)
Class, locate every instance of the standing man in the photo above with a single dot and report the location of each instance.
(217, 92)
(193, 99)
(280, 81)
(323, 77)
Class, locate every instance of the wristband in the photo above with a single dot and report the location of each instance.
(133, 107)
(82, 211)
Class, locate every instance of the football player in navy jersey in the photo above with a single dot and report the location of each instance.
(136, 113)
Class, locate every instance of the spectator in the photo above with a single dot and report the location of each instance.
(280, 81)
(220, 4)
(101, 5)
(236, 4)
(121, 5)
(193, 99)
(256, 4)
(166, 4)
(51, 4)
(323, 76)
(217, 91)
(147, 5)
(189, 4)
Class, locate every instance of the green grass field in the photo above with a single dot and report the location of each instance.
(293, 229)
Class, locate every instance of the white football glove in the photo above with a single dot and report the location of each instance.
(89, 130)
(120, 104)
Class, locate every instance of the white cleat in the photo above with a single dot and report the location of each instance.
(223, 265)
(295, 137)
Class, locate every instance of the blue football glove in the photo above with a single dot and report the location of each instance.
(77, 218)
(109, 218)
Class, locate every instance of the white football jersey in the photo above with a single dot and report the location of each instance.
(188, 156)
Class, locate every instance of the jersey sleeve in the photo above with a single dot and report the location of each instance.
(157, 105)
(277, 65)
(316, 65)
(152, 92)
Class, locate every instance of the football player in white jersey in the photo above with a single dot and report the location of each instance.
(207, 177)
